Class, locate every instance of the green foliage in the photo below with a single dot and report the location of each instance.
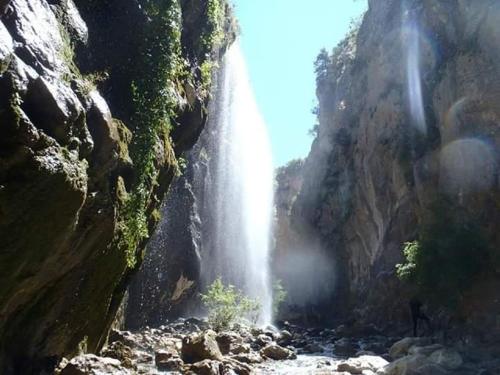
(450, 254)
(162, 74)
(88, 82)
(279, 295)
(407, 271)
(225, 305)
(154, 110)
(314, 131)
(211, 38)
(134, 224)
(207, 68)
(213, 32)
(322, 66)
(182, 163)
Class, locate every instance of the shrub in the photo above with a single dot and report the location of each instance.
(226, 304)
(451, 253)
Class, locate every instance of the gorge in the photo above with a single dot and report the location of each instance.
(135, 169)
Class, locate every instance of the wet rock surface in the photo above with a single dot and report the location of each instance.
(185, 347)
(68, 167)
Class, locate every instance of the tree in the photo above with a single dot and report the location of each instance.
(322, 66)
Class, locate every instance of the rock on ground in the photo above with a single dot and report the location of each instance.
(276, 352)
(90, 364)
(401, 348)
(198, 347)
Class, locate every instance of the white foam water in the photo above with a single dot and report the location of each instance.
(243, 190)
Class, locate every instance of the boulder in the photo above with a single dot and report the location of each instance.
(448, 358)
(256, 331)
(248, 358)
(121, 352)
(167, 359)
(198, 347)
(227, 340)
(263, 340)
(362, 364)
(91, 364)
(345, 346)
(143, 357)
(430, 369)
(125, 337)
(424, 350)
(238, 367)
(405, 365)
(285, 338)
(241, 348)
(207, 367)
(276, 352)
(171, 364)
(164, 355)
(401, 347)
(313, 347)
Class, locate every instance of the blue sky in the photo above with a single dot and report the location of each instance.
(280, 40)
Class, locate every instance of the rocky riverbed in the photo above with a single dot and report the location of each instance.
(191, 347)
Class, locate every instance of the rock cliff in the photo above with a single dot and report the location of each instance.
(167, 285)
(408, 115)
(98, 101)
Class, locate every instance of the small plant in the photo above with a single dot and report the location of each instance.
(182, 164)
(226, 305)
(450, 255)
(206, 70)
(88, 81)
(407, 271)
(213, 31)
(279, 296)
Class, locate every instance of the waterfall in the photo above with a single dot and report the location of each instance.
(241, 187)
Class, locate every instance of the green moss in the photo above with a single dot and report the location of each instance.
(87, 82)
(155, 107)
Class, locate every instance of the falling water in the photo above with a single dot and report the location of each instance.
(242, 187)
(414, 83)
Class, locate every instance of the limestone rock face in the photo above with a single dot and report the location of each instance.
(406, 113)
(70, 164)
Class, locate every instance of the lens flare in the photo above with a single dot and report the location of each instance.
(420, 53)
(468, 165)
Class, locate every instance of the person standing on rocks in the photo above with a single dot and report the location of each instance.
(417, 314)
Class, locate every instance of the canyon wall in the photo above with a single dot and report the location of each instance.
(170, 279)
(98, 101)
(408, 114)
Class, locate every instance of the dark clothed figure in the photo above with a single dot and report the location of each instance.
(417, 314)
